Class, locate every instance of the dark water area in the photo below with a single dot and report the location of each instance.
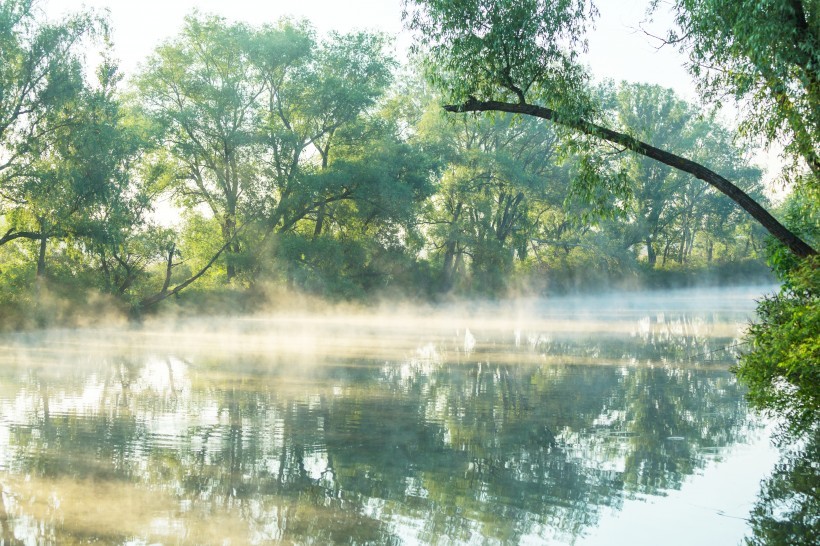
(573, 421)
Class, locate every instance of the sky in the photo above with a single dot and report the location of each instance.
(618, 49)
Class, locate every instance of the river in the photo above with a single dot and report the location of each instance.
(583, 421)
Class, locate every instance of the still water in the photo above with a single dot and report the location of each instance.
(571, 421)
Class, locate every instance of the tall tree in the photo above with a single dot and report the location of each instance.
(41, 81)
(666, 204)
(252, 115)
(495, 175)
(310, 101)
(201, 88)
(68, 157)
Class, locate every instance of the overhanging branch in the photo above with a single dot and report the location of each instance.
(779, 231)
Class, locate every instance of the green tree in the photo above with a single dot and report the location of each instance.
(497, 176)
(38, 72)
(313, 103)
(201, 89)
(781, 368)
(370, 238)
(502, 56)
(252, 116)
(669, 211)
(41, 81)
(765, 55)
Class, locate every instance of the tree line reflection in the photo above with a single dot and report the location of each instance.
(352, 451)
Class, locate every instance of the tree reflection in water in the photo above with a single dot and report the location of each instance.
(170, 446)
(788, 507)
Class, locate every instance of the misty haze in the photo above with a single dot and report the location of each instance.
(508, 422)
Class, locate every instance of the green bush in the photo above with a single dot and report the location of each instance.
(782, 367)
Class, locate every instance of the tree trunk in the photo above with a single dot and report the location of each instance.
(41, 256)
(229, 235)
(797, 246)
(448, 267)
(320, 219)
(651, 257)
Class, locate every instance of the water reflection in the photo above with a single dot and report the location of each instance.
(393, 434)
(788, 507)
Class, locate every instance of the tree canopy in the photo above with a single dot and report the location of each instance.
(505, 50)
(766, 55)
(303, 161)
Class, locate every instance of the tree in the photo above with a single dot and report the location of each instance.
(248, 110)
(496, 175)
(68, 157)
(312, 104)
(201, 89)
(485, 54)
(781, 368)
(41, 81)
(666, 207)
(38, 72)
(766, 55)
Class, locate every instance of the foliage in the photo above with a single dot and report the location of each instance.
(245, 109)
(674, 213)
(781, 368)
(299, 162)
(766, 53)
(514, 51)
(504, 50)
(38, 71)
(801, 211)
(496, 177)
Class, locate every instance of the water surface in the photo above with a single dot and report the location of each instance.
(572, 421)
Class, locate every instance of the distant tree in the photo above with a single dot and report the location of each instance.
(667, 207)
(496, 175)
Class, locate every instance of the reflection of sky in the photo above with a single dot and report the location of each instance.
(710, 508)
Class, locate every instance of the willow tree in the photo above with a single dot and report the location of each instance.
(200, 88)
(497, 181)
(764, 54)
(521, 57)
(665, 204)
(248, 110)
(41, 83)
(313, 92)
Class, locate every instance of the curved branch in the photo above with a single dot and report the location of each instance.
(165, 293)
(12, 235)
(797, 246)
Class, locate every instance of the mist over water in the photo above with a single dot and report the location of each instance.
(514, 422)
